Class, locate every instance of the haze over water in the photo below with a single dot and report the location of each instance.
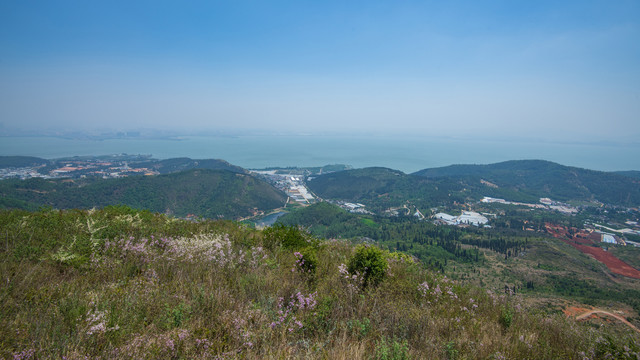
(455, 76)
(405, 153)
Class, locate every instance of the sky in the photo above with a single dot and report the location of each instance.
(566, 70)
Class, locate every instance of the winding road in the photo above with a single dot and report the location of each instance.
(596, 311)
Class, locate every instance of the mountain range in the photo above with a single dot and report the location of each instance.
(215, 188)
(202, 192)
(546, 179)
(520, 180)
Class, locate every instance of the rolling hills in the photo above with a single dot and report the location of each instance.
(167, 166)
(538, 178)
(153, 287)
(206, 193)
(383, 188)
(519, 180)
(21, 161)
(630, 173)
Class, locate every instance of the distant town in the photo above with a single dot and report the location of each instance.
(545, 203)
(113, 166)
(292, 181)
(292, 184)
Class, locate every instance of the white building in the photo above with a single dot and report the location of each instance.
(472, 218)
(608, 238)
(449, 219)
(466, 218)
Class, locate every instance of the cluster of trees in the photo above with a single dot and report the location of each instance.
(21, 161)
(382, 188)
(586, 291)
(528, 180)
(206, 193)
(524, 181)
(433, 245)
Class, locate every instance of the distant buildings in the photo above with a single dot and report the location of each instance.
(545, 203)
(609, 239)
(76, 169)
(299, 193)
(448, 219)
(466, 218)
(292, 184)
(356, 208)
(22, 173)
(625, 231)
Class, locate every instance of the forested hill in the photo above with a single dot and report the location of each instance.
(544, 179)
(384, 188)
(21, 161)
(630, 173)
(164, 166)
(206, 193)
(180, 164)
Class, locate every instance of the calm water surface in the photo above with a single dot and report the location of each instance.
(407, 154)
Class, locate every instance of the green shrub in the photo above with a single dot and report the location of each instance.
(506, 317)
(176, 316)
(68, 258)
(307, 260)
(370, 263)
(360, 327)
(450, 350)
(289, 237)
(608, 347)
(400, 256)
(396, 350)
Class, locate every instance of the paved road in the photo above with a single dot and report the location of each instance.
(591, 312)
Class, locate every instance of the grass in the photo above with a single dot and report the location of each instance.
(628, 254)
(369, 222)
(552, 275)
(118, 283)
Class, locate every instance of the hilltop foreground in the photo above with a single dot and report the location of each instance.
(119, 283)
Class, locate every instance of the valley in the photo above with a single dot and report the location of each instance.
(513, 229)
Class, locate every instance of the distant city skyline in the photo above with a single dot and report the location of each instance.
(549, 70)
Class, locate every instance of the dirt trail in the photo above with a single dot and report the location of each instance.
(595, 311)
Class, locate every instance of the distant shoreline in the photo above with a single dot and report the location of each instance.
(408, 154)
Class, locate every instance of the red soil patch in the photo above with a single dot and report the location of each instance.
(578, 236)
(614, 264)
(579, 239)
(575, 311)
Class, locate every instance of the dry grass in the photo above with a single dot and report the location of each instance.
(148, 287)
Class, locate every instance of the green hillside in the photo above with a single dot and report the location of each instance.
(537, 178)
(167, 166)
(206, 193)
(325, 220)
(501, 255)
(631, 173)
(21, 161)
(383, 188)
(122, 284)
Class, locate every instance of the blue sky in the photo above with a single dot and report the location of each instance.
(544, 69)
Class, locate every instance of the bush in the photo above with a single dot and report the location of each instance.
(368, 262)
(307, 260)
(391, 350)
(506, 317)
(290, 237)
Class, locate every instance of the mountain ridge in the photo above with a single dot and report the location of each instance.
(204, 192)
(547, 179)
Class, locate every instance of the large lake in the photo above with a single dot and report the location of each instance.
(407, 154)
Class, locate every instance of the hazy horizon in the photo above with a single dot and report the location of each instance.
(405, 153)
(554, 71)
